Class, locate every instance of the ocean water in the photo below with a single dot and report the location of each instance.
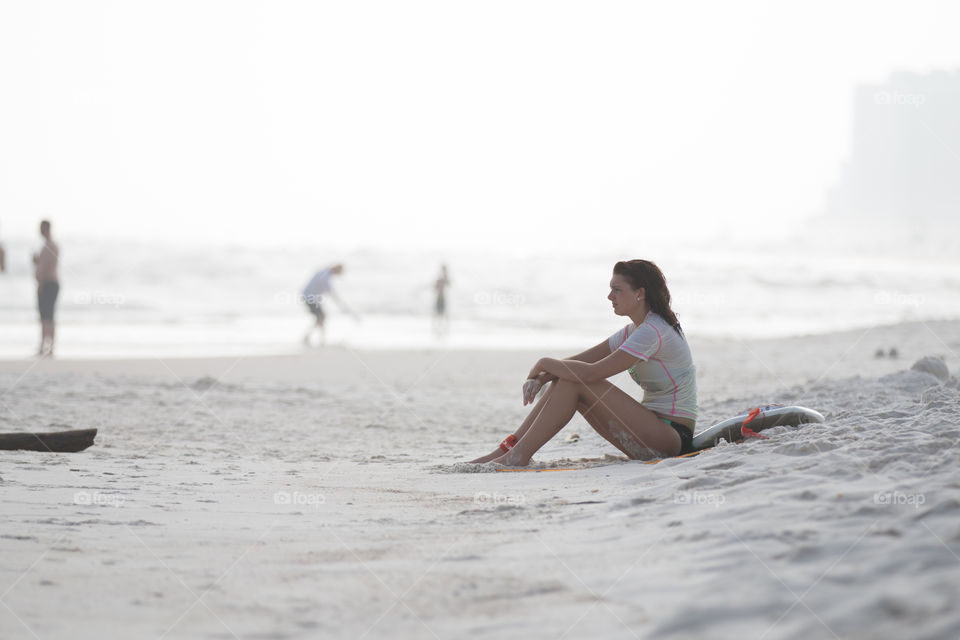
(138, 299)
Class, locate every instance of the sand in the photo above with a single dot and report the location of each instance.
(324, 495)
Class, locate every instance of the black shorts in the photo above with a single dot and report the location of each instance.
(47, 299)
(314, 305)
(686, 436)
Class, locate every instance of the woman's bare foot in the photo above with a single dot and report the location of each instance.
(511, 458)
(496, 453)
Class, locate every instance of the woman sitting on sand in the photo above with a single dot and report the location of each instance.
(654, 350)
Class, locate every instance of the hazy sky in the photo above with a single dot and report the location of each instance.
(438, 123)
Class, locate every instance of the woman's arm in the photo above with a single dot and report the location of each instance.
(593, 354)
(586, 372)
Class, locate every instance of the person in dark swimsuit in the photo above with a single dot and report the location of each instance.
(47, 262)
(441, 322)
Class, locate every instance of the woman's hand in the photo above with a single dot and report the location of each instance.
(536, 371)
(531, 388)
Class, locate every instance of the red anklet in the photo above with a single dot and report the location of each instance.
(508, 443)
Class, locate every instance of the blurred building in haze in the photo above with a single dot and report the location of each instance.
(905, 157)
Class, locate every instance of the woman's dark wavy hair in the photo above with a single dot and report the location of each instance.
(643, 274)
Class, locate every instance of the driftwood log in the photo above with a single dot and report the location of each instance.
(65, 441)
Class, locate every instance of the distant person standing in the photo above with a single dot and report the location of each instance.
(441, 321)
(48, 287)
(313, 294)
(3, 260)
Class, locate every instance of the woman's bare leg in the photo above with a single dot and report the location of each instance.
(558, 407)
(616, 416)
(619, 437)
(642, 436)
(524, 426)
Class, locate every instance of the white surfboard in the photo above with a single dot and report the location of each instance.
(771, 415)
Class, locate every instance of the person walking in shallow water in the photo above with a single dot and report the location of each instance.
(47, 262)
(441, 322)
(652, 348)
(3, 259)
(313, 294)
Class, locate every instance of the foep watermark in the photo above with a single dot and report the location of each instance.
(299, 499)
(898, 98)
(98, 498)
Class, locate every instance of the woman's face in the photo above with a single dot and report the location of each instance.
(625, 298)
